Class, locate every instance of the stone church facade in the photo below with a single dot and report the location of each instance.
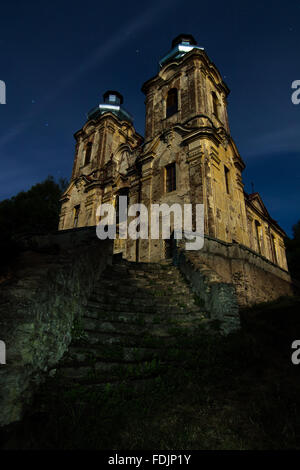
(186, 156)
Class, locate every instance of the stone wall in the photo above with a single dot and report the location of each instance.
(38, 307)
(219, 297)
(256, 279)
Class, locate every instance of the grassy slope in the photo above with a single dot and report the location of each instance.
(239, 392)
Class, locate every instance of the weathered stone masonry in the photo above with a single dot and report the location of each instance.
(38, 309)
(187, 139)
(187, 156)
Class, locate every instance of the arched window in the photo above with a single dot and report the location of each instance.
(88, 152)
(172, 102)
(215, 103)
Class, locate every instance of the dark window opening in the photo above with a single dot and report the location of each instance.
(170, 177)
(172, 102)
(88, 153)
(117, 208)
(170, 247)
(273, 249)
(226, 172)
(257, 230)
(120, 215)
(76, 215)
(215, 104)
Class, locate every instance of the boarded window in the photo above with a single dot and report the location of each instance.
(170, 177)
(172, 102)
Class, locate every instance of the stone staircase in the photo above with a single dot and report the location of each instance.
(129, 332)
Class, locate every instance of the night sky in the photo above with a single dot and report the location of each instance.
(58, 58)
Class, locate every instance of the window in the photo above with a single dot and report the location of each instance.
(215, 104)
(172, 102)
(76, 215)
(257, 233)
(121, 215)
(226, 172)
(273, 249)
(117, 208)
(88, 152)
(170, 246)
(170, 177)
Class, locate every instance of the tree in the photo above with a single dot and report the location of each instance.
(33, 211)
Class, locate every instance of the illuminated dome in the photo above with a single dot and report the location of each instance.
(182, 44)
(112, 101)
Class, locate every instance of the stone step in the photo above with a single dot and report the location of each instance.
(141, 283)
(104, 372)
(156, 329)
(136, 385)
(143, 308)
(140, 292)
(93, 338)
(146, 267)
(130, 327)
(174, 300)
(141, 318)
(114, 273)
(115, 354)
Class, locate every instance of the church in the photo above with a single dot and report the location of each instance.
(186, 156)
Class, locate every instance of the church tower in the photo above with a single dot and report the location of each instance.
(188, 141)
(187, 87)
(188, 156)
(102, 152)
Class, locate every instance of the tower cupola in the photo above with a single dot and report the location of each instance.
(113, 97)
(182, 44)
(112, 103)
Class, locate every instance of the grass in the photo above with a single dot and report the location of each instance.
(238, 392)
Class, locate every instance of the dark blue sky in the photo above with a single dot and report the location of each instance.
(57, 59)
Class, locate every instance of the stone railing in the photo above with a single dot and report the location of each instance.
(38, 307)
(255, 278)
(219, 297)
